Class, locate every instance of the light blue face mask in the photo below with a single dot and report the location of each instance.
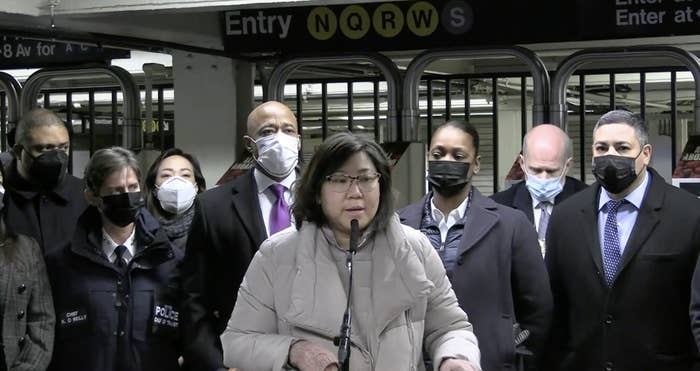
(544, 189)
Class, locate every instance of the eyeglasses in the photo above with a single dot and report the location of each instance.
(341, 183)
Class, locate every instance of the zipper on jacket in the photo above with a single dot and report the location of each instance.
(411, 341)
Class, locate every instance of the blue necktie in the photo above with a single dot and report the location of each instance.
(611, 242)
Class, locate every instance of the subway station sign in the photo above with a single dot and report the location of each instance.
(17, 52)
(406, 25)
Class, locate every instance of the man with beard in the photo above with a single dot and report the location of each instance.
(621, 256)
(230, 222)
(490, 251)
(44, 201)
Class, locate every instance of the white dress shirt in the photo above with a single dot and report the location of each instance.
(626, 214)
(267, 198)
(109, 247)
(444, 223)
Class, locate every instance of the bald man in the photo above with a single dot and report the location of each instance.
(43, 201)
(230, 223)
(546, 159)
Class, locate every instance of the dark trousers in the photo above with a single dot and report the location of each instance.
(3, 365)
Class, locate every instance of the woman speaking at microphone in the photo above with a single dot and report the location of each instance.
(291, 302)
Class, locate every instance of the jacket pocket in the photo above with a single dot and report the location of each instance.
(506, 341)
(143, 305)
(660, 257)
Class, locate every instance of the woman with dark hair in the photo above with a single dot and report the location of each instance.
(172, 182)
(291, 303)
(26, 308)
(490, 253)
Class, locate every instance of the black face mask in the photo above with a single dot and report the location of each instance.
(614, 173)
(48, 169)
(122, 209)
(448, 177)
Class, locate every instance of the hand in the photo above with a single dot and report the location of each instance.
(307, 356)
(454, 364)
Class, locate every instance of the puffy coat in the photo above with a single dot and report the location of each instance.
(293, 290)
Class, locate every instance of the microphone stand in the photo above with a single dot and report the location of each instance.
(343, 340)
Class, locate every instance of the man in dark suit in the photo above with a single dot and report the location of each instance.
(546, 160)
(621, 256)
(229, 224)
(490, 251)
(43, 200)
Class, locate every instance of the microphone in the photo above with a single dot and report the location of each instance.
(354, 235)
(343, 340)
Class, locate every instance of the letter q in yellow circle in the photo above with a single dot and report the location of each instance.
(354, 22)
(388, 20)
(322, 23)
(422, 18)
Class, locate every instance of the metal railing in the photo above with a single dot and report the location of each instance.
(284, 69)
(566, 68)
(411, 110)
(132, 137)
(9, 111)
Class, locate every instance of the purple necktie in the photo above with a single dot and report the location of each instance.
(279, 215)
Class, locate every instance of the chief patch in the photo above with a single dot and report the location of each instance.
(72, 318)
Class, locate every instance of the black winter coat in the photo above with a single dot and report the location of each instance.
(109, 320)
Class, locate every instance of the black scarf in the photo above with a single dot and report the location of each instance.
(177, 226)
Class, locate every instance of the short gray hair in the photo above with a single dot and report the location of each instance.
(35, 118)
(106, 161)
(628, 118)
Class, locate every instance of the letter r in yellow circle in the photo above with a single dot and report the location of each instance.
(388, 20)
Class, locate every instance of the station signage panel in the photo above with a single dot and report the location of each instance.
(17, 52)
(409, 25)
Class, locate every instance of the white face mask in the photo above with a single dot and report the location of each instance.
(278, 154)
(176, 194)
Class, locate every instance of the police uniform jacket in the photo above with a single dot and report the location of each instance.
(27, 308)
(109, 320)
(48, 216)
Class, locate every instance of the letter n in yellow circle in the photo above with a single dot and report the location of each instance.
(321, 23)
(388, 20)
(354, 22)
(422, 18)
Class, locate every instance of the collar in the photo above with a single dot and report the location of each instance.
(28, 191)
(328, 234)
(403, 280)
(108, 244)
(438, 215)
(263, 181)
(635, 197)
(535, 203)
